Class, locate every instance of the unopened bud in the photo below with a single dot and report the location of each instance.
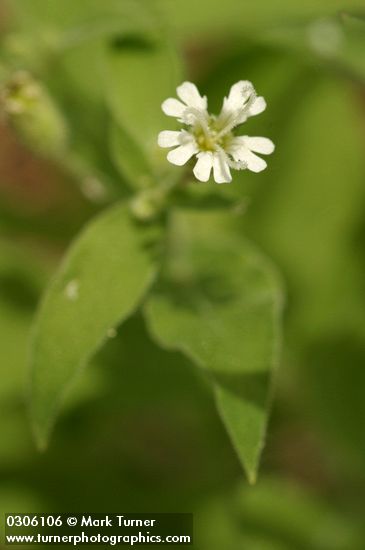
(32, 114)
(147, 205)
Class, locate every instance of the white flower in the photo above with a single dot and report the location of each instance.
(210, 137)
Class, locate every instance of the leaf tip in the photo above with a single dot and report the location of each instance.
(251, 477)
(40, 438)
(40, 431)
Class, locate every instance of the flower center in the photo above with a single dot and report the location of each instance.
(206, 142)
(208, 138)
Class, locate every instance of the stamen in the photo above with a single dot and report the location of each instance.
(191, 116)
(235, 117)
(237, 164)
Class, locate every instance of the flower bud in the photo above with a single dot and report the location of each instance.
(31, 112)
(147, 205)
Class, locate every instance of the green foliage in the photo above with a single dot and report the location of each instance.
(178, 316)
(100, 283)
(218, 302)
(21, 282)
(139, 71)
(245, 18)
(353, 44)
(36, 118)
(43, 14)
(128, 63)
(319, 196)
(72, 78)
(276, 515)
(68, 54)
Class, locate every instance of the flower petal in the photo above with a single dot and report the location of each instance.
(173, 107)
(221, 169)
(238, 95)
(254, 163)
(182, 154)
(168, 138)
(189, 94)
(259, 144)
(240, 152)
(203, 166)
(257, 106)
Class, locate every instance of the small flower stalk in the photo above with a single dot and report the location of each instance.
(210, 138)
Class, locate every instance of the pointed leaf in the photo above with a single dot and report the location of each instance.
(219, 303)
(100, 283)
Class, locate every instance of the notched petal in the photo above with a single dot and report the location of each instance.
(189, 94)
(221, 171)
(259, 144)
(257, 107)
(254, 162)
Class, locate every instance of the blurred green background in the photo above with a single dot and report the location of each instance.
(140, 431)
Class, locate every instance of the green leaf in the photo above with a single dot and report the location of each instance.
(192, 19)
(309, 218)
(308, 214)
(68, 14)
(80, 94)
(128, 157)
(219, 303)
(336, 41)
(155, 391)
(100, 283)
(62, 44)
(141, 71)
